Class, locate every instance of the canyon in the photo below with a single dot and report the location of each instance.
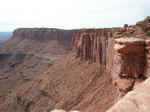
(29, 53)
(4, 36)
(86, 70)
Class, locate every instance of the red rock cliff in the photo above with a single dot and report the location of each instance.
(93, 45)
(50, 42)
(43, 34)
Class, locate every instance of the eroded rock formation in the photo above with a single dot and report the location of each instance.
(128, 63)
(92, 45)
(131, 63)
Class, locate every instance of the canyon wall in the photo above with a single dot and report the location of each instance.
(128, 63)
(42, 41)
(29, 53)
(104, 67)
(43, 34)
(125, 56)
(79, 81)
(94, 46)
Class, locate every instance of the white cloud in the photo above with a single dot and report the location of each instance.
(71, 13)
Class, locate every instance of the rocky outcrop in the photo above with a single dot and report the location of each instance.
(130, 71)
(145, 25)
(137, 100)
(128, 63)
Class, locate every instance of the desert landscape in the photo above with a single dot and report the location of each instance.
(82, 70)
(74, 56)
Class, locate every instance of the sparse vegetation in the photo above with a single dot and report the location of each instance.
(143, 23)
(148, 34)
(126, 25)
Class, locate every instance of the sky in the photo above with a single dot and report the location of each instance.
(71, 14)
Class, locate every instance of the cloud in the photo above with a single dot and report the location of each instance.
(71, 13)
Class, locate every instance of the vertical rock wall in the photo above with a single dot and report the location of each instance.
(128, 63)
(92, 45)
(124, 58)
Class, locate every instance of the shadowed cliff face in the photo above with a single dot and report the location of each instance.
(128, 63)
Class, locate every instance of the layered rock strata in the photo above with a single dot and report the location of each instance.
(43, 34)
(128, 63)
(41, 41)
(92, 45)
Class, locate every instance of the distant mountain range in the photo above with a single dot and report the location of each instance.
(5, 36)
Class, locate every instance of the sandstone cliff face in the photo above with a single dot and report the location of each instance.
(42, 41)
(92, 45)
(43, 34)
(128, 63)
(130, 69)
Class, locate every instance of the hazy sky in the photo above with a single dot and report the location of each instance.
(71, 13)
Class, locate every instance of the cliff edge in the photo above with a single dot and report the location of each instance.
(102, 72)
